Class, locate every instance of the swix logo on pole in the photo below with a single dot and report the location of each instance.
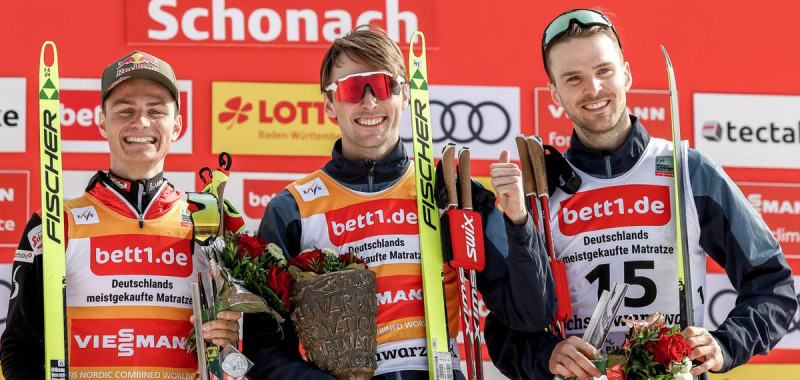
(469, 234)
(283, 23)
(613, 207)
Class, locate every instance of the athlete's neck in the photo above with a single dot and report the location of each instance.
(139, 193)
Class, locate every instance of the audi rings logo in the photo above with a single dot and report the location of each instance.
(485, 118)
(487, 122)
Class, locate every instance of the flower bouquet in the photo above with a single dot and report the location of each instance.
(248, 275)
(335, 312)
(650, 352)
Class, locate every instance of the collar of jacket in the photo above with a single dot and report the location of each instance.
(389, 168)
(622, 159)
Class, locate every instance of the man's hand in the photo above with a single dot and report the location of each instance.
(704, 348)
(570, 359)
(507, 183)
(224, 329)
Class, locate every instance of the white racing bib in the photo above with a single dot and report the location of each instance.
(623, 230)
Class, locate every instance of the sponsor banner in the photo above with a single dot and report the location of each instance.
(555, 128)
(140, 255)
(75, 181)
(400, 297)
(283, 119)
(12, 115)
(129, 342)
(613, 207)
(282, 23)
(15, 209)
(779, 205)
(487, 119)
(80, 115)
(250, 192)
(752, 131)
(720, 300)
(383, 217)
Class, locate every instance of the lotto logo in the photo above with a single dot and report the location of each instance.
(614, 207)
(140, 254)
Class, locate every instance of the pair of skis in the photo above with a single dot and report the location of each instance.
(462, 238)
(534, 183)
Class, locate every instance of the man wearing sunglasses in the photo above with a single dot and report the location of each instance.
(617, 161)
(345, 206)
(126, 305)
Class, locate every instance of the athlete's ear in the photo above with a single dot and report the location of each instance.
(329, 109)
(101, 125)
(177, 127)
(628, 76)
(554, 94)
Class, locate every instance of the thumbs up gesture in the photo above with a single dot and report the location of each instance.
(507, 183)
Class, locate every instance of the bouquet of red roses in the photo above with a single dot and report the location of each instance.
(316, 261)
(651, 351)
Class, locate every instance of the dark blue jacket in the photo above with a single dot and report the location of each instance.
(515, 284)
(731, 233)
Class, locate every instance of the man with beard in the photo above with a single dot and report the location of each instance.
(622, 168)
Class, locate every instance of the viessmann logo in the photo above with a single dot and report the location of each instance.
(282, 23)
(140, 254)
(160, 342)
(613, 207)
(767, 133)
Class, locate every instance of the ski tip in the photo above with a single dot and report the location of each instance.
(416, 38)
(666, 55)
(46, 57)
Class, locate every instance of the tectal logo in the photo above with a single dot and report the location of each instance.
(771, 133)
(236, 115)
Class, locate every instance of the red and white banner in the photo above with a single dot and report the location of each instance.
(12, 114)
(271, 24)
(15, 210)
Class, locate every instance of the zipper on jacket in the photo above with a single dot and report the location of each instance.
(139, 205)
(371, 174)
(607, 162)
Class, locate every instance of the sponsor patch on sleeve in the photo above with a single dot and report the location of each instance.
(35, 240)
(23, 256)
(85, 215)
(312, 190)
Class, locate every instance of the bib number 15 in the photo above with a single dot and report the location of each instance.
(602, 273)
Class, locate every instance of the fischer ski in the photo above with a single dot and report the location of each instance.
(440, 364)
(679, 204)
(53, 251)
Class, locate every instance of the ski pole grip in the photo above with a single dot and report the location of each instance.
(539, 168)
(528, 184)
(449, 173)
(464, 179)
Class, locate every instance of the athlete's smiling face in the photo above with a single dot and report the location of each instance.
(590, 80)
(140, 120)
(370, 127)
